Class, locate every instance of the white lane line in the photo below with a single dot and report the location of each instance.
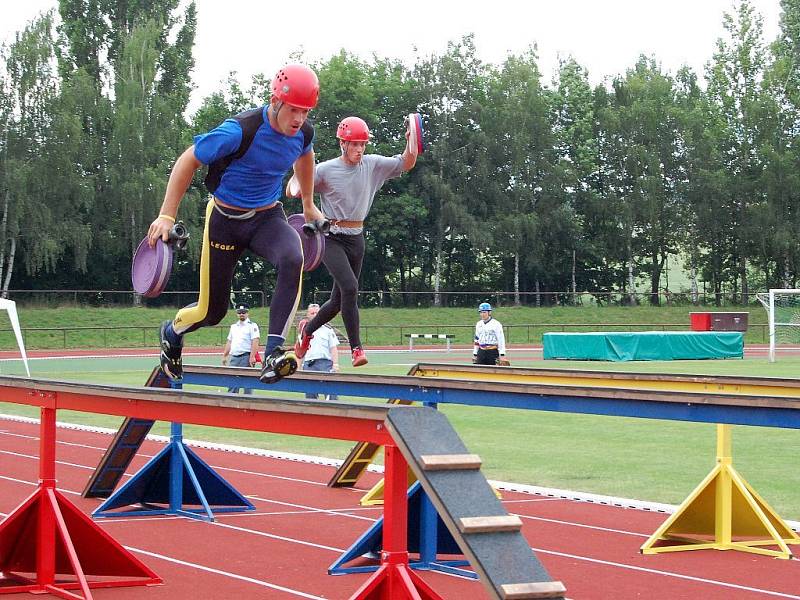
(309, 509)
(279, 477)
(504, 501)
(58, 462)
(312, 509)
(575, 524)
(36, 483)
(227, 516)
(584, 497)
(104, 356)
(667, 574)
(282, 538)
(274, 454)
(258, 582)
(35, 438)
(149, 456)
(335, 512)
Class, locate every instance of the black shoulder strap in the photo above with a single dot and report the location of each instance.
(250, 121)
(308, 133)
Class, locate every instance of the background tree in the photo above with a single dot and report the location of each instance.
(41, 221)
(734, 79)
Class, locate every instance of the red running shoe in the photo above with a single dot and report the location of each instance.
(359, 358)
(303, 341)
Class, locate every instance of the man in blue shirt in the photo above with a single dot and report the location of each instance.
(247, 157)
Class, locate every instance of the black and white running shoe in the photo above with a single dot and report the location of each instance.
(171, 362)
(281, 363)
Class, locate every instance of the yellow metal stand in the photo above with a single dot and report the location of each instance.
(374, 497)
(724, 513)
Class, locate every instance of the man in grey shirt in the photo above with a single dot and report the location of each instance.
(347, 186)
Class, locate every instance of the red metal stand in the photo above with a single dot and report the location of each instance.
(47, 545)
(394, 580)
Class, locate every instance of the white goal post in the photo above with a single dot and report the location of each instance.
(783, 308)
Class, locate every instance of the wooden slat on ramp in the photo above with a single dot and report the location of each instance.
(496, 550)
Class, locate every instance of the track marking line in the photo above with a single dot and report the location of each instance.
(226, 516)
(531, 500)
(339, 512)
(336, 511)
(311, 509)
(667, 573)
(35, 438)
(258, 582)
(582, 525)
(146, 456)
(281, 477)
(549, 493)
(58, 462)
(274, 536)
(36, 483)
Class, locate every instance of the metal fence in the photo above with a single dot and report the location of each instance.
(139, 336)
(124, 298)
(530, 333)
(386, 298)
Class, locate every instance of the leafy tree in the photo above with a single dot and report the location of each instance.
(527, 215)
(42, 216)
(453, 86)
(734, 78)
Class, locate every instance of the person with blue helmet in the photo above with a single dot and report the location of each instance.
(490, 340)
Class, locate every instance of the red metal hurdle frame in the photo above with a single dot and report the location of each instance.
(48, 536)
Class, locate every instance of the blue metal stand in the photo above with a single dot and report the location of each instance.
(427, 535)
(175, 477)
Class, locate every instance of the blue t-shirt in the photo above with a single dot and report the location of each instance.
(255, 179)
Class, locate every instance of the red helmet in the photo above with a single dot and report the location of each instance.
(296, 85)
(353, 129)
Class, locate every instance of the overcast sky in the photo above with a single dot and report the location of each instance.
(605, 36)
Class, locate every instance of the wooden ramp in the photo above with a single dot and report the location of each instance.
(489, 537)
(120, 452)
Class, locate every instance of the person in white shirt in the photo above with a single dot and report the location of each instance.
(490, 341)
(242, 344)
(322, 355)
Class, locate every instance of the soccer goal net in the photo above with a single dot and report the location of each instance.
(783, 308)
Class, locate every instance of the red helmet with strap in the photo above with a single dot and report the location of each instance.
(296, 85)
(353, 129)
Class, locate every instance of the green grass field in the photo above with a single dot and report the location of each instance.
(635, 458)
(91, 327)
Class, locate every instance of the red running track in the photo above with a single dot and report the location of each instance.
(282, 550)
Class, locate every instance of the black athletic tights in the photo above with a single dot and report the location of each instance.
(344, 255)
(266, 234)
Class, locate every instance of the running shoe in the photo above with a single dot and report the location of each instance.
(359, 358)
(171, 361)
(303, 341)
(281, 363)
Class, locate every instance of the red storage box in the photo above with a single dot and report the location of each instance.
(701, 321)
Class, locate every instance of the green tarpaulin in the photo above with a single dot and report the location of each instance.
(644, 345)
